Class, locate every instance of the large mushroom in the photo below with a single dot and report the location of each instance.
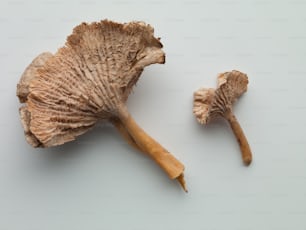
(213, 103)
(90, 79)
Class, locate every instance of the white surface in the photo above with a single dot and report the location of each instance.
(99, 182)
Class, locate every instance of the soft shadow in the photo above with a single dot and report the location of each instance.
(216, 126)
(98, 135)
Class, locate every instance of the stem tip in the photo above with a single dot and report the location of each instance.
(247, 160)
(182, 182)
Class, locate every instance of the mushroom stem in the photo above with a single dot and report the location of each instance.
(241, 138)
(147, 144)
(125, 134)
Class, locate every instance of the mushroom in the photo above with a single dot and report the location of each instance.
(213, 103)
(89, 80)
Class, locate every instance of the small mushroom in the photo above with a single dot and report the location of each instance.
(89, 80)
(213, 103)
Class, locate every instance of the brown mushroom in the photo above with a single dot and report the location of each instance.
(88, 80)
(210, 104)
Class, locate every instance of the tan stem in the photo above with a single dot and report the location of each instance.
(122, 130)
(241, 138)
(173, 167)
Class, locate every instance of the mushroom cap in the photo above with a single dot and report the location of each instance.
(30, 73)
(211, 103)
(84, 81)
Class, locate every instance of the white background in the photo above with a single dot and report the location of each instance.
(99, 182)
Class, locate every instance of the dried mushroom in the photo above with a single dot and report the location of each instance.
(212, 103)
(90, 79)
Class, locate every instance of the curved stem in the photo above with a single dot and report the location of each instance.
(243, 142)
(147, 144)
